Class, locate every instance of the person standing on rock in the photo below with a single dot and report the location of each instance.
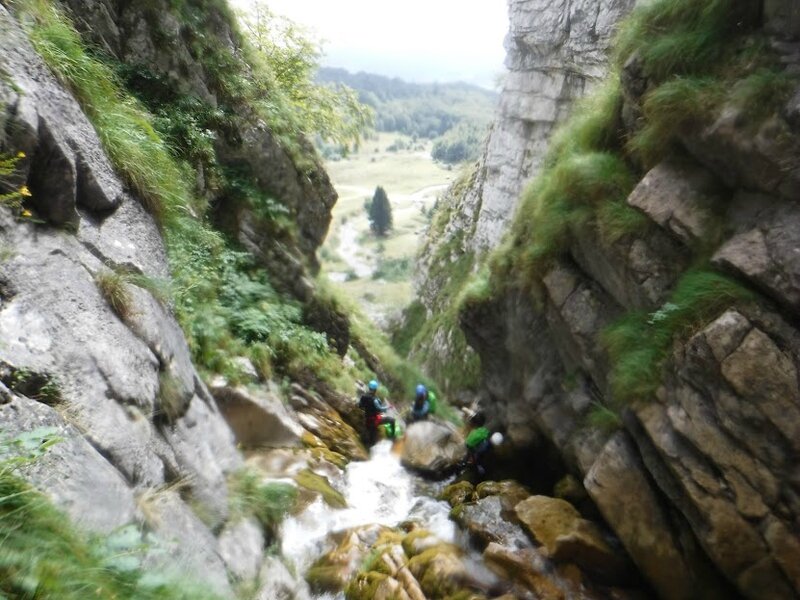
(480, 442)
(424, 404)
(374, 409)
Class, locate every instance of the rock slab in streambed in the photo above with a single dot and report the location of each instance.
(257, 417)
(433, 448)
(488, 522)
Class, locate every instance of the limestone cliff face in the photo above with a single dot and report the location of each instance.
(57, 329)
(144, 442)
(700, 482)
(179, 49)
(556, 51)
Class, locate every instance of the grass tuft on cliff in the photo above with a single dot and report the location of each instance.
(682, 37)
(124, 127)
(114, 289)
(268, 502)
(639, 343)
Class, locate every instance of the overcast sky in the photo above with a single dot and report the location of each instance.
(418, 40)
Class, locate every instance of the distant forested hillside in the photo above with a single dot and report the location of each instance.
(455, 115)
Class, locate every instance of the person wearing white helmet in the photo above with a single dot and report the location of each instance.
(374, 409)
(480, 442)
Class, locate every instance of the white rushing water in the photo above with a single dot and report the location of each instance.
(378, 491)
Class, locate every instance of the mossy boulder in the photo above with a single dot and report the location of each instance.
(509, 491)
(333, 570)
(317, 483)
(567, 537)
(375, 586)
(418, 541)
(458, 493)
(326, 424)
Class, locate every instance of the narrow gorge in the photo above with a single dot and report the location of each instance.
(615, 284)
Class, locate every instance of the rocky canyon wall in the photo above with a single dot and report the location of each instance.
(697, 474)
(556, 52)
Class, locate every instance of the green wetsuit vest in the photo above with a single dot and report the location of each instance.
(477, 436)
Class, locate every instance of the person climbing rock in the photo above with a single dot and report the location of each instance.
(480, 442)
(424, 404)
(374, 409)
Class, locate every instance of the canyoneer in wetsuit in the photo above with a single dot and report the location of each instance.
(424, 404)
(479, 443)
(374, 409)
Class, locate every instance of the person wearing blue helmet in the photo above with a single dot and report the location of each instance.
(422, 404)
(374, 409)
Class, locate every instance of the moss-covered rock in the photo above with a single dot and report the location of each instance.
(418, 541)
(317, 483)
(510, 492)
(567, 537)
(458, 493)
(332, 571)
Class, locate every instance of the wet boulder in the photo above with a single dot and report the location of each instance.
(325, 422)
(433, 448)
(487, 521)
(509, 491)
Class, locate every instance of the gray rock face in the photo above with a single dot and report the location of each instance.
(680, 197)
(782, 17)
(720, 445)
(279, 583)
(241, 546)
(103, 374)
(768, 252)
(617, 482)
(87, 487)
(555, 51)
(191, 548)
(153, 36)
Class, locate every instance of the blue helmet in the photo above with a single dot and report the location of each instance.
(421, 390)
(373, 385)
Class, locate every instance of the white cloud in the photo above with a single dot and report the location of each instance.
(415, 39)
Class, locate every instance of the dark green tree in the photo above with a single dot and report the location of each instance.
(380, 212)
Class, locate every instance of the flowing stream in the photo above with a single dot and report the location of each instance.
(378, 491)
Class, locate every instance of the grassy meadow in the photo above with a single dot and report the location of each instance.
(377, 272)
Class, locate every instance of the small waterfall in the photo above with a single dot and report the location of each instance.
(378, 491)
